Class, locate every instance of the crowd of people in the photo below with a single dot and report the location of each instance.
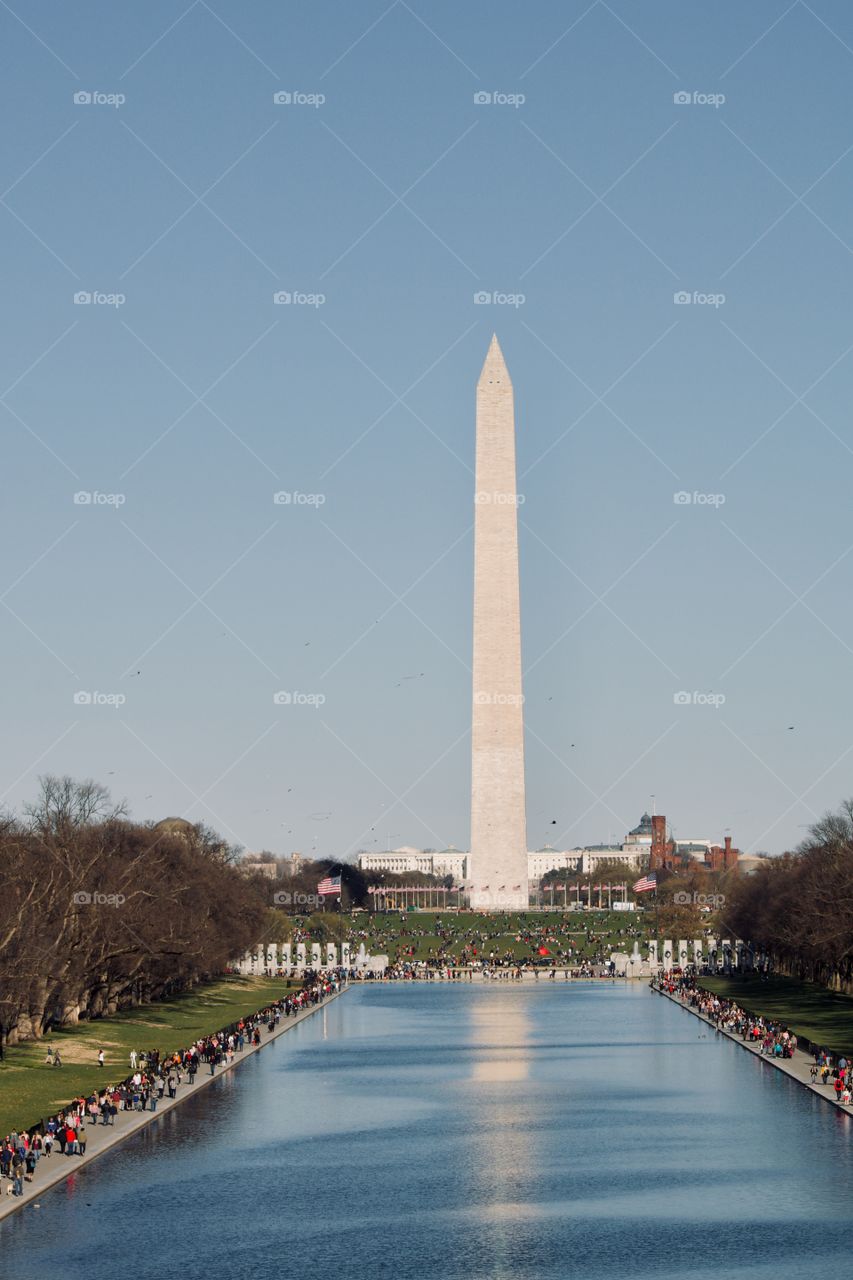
(774, 1039)
(497, 970)
(152, 1077)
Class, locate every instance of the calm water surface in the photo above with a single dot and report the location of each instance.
(469, 1133)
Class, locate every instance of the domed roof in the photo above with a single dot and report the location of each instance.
(644, 827)
(175, 827)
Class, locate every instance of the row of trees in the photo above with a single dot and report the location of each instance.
(98, 912)
(799, 907)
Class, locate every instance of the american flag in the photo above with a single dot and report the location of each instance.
(331, 884)
(645, 883)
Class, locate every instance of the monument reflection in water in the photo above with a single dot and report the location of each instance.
(426, 1132)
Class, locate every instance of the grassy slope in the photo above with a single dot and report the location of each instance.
(824, 1016)
(387, 933)
(30, 1090)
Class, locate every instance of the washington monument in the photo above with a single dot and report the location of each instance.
(498, 861)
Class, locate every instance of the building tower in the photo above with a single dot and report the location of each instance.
(498, 862)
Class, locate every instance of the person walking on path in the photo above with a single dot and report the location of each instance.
(133, 1059)
(17, 1174)
(100, 1057)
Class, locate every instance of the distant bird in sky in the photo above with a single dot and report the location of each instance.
(790, 726)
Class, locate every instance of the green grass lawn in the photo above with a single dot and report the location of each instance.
(30, 1090)
(389, 934)
(824, 1016)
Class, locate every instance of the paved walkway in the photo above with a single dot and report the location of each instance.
(798, 1068)
(100, 1138)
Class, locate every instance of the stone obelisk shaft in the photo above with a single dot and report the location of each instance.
(498, 862)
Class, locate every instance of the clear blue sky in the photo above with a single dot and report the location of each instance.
(398, 198)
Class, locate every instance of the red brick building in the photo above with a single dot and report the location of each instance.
(664, 855)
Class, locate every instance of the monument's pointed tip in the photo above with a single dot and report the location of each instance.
(494, 366)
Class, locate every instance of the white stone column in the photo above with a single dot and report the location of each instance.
(498, 861)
